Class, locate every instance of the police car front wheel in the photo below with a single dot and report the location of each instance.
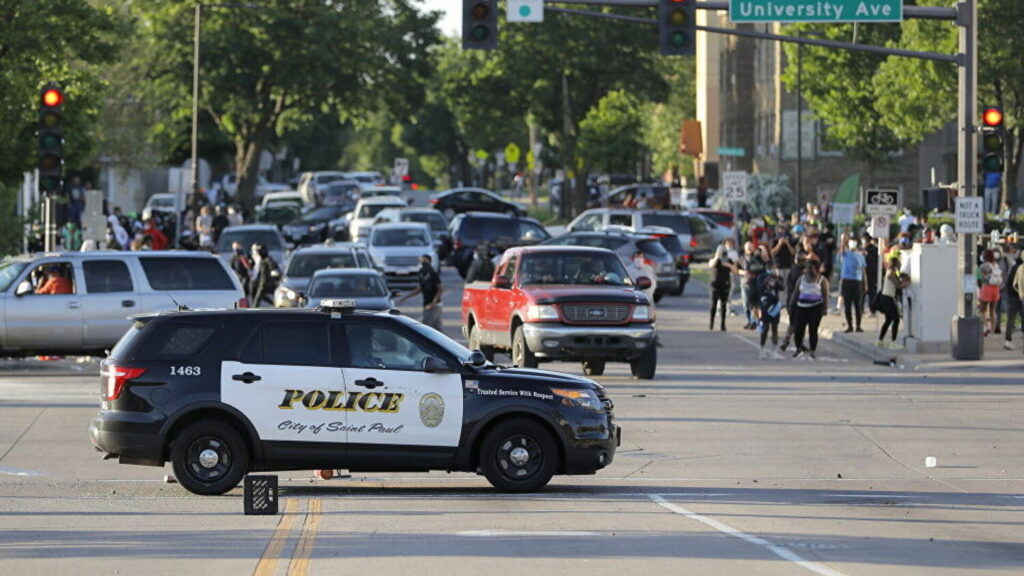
(519, 455)
(209, 457)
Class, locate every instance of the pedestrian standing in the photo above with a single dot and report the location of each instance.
(756, 264)
(481, 269)
(722, 269)
(749, 269)
(892, 282)
(783, 252)
(429, 284)
(264, 281)
(809, 304)
(234, 216)
(157, 238)
(852, 283)
(795, 273)
(220, 222)
(770, 294)
(241, 265)
(870, 251)
(204, 227)
(1014, 306)
(991, 281)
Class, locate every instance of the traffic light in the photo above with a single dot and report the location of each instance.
(479, 24)
(677, 21)
(51, 140)
(993, 140)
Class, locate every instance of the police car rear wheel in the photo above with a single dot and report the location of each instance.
(522, 356)
(519, 456)
(209, 457)
(593, 367)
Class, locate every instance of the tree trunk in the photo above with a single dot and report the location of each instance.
(247, 166)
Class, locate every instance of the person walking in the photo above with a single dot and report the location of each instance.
(851, 285)
(241, 265)
(783, 252)
(481, 269)
(892, 282)
(204, 227)
(264, 281)
(792, 280)
(991, 281)
(722, 269)
(1012, 300)
(870, 251)
(770, 294)
(750, 266)
(430, 286)
(809, 304)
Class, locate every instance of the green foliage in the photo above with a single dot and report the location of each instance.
(663, 120)
(11, 226)
(611, 133)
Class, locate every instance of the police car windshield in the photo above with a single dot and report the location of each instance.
(585, 268)
(354, 286)
(439, 338)
(303, 265)
(9, 271)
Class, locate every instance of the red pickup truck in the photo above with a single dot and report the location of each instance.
(562, 303)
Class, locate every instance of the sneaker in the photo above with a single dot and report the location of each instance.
(880, 344)
(1007, 345)
(798, 353)
(895, 346)
(848, 331)
(811, 355)
(859, 329)
(784, 345)
(762, 354)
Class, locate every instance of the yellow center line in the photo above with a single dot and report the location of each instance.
(299, 566)
(268, 562)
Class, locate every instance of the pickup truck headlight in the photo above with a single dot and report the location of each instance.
(642, 313)
(585, 399)
(542, 312)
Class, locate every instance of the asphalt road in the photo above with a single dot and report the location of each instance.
(729, 465)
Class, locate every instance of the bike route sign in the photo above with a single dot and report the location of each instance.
(882, 202)
(816, 10)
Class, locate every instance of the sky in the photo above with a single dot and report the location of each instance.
(451, 23)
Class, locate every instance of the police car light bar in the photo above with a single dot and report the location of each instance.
(337, 304)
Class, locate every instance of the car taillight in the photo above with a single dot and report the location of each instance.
(117, 377)
(243, 303)
(684, 258)
(693, 242)
(433, 201)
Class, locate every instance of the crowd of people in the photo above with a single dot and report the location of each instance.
(789, 266)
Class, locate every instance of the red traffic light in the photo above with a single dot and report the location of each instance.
(52, 97)
(992, 117)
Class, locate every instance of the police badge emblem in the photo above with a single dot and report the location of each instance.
(432, 410)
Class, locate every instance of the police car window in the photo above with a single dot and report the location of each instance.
(296, 343)
(383, 348)
(186, 274)
(104, 276)
(175, 341)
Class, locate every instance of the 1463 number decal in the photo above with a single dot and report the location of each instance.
(185, 371)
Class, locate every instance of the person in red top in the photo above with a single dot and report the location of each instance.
(160, 241)
(55, 283)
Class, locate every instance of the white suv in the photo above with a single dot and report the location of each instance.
(366, 212)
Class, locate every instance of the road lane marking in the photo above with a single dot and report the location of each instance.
(780, 551)
(528, 534)
(267, 565)
(19, 472)
(299, 566)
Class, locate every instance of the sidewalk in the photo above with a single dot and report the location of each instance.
(995, 357)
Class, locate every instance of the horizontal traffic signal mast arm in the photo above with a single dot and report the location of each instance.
(915, 12)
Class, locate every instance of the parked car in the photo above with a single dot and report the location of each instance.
(311, 226)
(680, 255)
(160, 203)
(263, 187)
(396, 248)
(378, 191)
(106, 287)
(279, 214)
(249, 234)
(279, 198)
(310, 183)
(639, 252)
(461, 200)
(432, 218)
(366, 180)
(563, 303)
(500, 231)
(367, 288)
(717, 226)
(692, 229)
(366, 211)
(305, 262)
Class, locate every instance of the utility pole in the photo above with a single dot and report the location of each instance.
(195, 115)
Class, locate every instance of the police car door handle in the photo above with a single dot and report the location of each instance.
(369, 383)
(247, 378)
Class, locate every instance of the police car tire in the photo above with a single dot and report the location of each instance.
(644, 367)
(519, 344)
(593, 367)
(219, 436)
(495, 449)
(474, 343)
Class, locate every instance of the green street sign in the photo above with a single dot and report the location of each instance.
(734, 152)
(816, 10)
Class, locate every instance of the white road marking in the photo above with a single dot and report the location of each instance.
(864, 496)
(18, 472)
(780, 551)
(528, 534)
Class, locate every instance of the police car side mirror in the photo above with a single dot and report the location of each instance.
(643, 283)
(477, 358)
(24, 288)
(435, 366)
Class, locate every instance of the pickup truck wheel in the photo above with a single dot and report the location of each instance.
(209, 457)
(475, 344)
(521, 354)
(644, 366)
(519, 455)
(593, 367)
(658, 296)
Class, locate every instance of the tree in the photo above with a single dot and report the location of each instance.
(919, 97)
(611, 134)
(663, 120)
(840, 89)
(267, 71)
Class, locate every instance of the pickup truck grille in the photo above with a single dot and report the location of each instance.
(595, 313)
(404, 261)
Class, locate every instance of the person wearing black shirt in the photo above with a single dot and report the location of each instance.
(220, 222)
(432, 290)
(722, 269)
(481, 269)
(871, 269)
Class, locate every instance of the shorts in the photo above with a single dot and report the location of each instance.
(989, 293)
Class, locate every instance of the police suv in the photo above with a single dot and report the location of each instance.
(219, 393)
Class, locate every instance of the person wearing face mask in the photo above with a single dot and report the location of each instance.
(241, 265)
(809, 303)
(263, 280)
(852, 283)
(429, 284)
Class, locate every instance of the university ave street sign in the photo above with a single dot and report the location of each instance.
(816, 10)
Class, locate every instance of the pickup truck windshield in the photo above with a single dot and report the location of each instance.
(584, 268)
(9, 271)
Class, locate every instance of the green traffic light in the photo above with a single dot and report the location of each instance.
(678, 39)
(50, 141)
(481, 33)
(49, 184)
